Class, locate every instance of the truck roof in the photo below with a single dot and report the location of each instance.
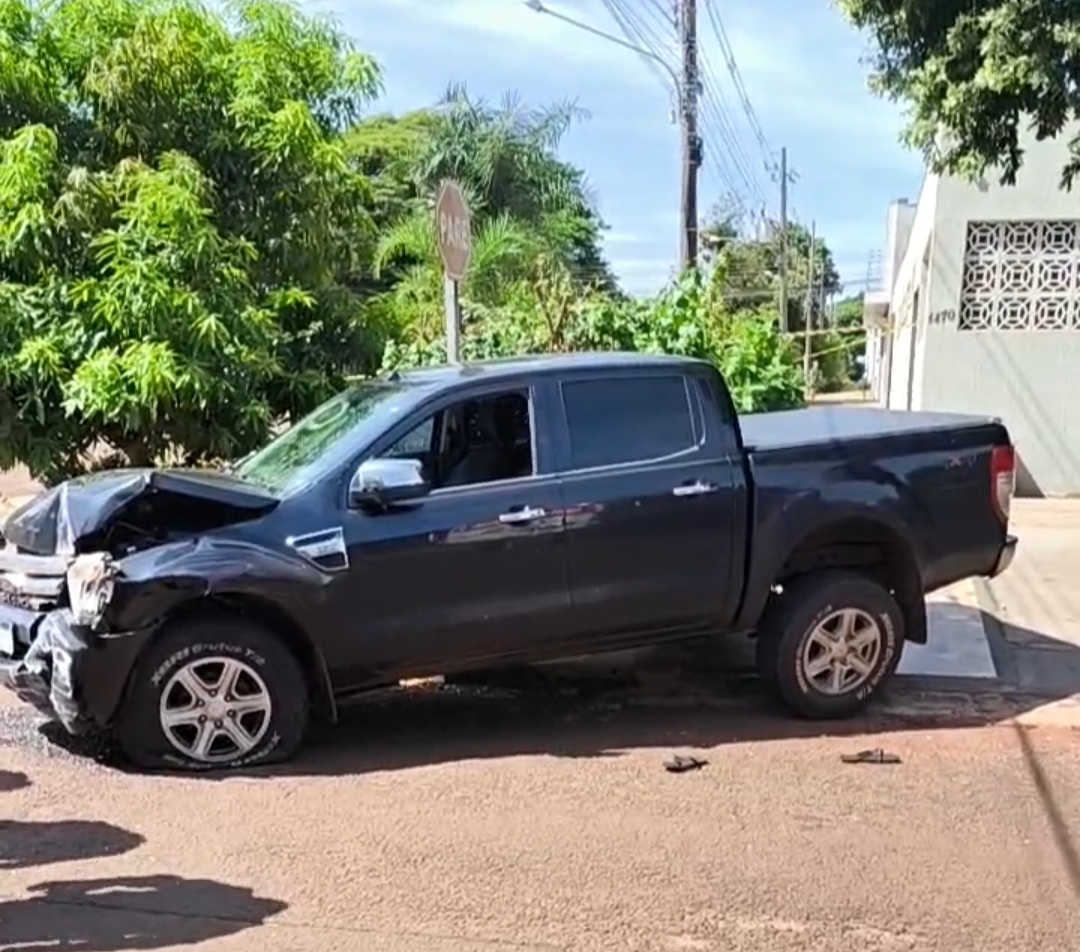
(447, 375)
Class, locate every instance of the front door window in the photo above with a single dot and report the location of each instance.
(485, 439)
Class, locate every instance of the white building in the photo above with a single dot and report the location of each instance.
(980, 311)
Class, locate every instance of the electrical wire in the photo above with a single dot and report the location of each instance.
(717, 24)
(723, 154)
(646, 24)
(749, 167)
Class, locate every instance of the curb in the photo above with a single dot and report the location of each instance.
(999, 701)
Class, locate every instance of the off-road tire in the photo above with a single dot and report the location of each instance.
(791, 619)
(138, 729)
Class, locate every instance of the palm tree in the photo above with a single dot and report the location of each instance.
(524, 200)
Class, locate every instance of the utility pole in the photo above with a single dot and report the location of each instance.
(691, 141)
(783, 241)
(809, 308)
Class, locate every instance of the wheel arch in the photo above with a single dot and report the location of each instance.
(870, 547)
(273, 619)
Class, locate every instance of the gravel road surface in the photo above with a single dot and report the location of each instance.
(448, 824)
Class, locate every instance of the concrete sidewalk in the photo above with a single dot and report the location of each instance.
(15, 485)
(1027, 621)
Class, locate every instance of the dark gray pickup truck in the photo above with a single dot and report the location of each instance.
(456, 519)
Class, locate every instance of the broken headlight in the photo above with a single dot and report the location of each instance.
(90, 582)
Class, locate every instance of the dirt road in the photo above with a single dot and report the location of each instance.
(464, 824)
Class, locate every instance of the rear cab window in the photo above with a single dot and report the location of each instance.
(630, 419)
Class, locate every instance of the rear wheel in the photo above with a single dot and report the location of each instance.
(214, 693)
(829, 643)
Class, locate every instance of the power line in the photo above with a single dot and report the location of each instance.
(640, 38)
(647, 24)
(728, 53)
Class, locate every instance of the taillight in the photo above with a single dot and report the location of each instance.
(1002, 479)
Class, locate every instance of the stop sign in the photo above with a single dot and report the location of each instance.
(453, 229)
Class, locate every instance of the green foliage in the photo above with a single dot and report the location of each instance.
(972, 73)
(549, 315)
(179, 222)
(760, 365)
(849, 320)
(525, 202)
(745, 265)
(201, 236)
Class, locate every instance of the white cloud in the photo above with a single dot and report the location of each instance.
(510, 30)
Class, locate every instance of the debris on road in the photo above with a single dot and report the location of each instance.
(876, 756)
(681, 764)
(11, 780)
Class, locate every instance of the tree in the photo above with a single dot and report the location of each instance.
(972, 73)
(849, 321)
(551, 315)
(746, 269)
(178, 225)
(526, 203)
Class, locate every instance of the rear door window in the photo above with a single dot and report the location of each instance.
(627, 419)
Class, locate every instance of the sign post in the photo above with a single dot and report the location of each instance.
(453, 230)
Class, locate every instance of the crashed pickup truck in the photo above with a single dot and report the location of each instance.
(463, 518)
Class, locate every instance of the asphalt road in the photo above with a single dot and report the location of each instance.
(492, 823)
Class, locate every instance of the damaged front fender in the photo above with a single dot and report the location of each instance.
(152, 584)
(80, 656)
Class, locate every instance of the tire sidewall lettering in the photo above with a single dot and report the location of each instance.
(202, 651)
(888, 652)
(251, 760)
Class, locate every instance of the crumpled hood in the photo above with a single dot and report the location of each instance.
(60, 519)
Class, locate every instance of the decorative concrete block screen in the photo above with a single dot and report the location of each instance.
(1021, 276)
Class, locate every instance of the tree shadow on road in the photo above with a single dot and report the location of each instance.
(38, 843)
(146, 912)
(12, 780)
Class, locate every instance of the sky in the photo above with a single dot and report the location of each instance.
(799, 65)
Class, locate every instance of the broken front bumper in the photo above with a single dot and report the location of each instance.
(62, 668)
(67, 671)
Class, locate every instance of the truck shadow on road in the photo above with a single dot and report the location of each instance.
(685, 698)
(144, 912)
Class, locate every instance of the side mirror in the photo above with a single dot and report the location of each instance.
(381, 483)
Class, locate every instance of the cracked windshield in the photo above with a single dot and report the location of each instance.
(582, 475)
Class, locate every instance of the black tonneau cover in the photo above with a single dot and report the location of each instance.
(814, 426)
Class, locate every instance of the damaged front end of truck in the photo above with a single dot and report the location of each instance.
(81, 565)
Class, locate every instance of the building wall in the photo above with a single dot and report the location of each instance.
(1028, 378)
(911, 232)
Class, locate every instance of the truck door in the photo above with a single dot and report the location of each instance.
(477, 569)
(651, 501)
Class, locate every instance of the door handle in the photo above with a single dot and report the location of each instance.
(694, 489)
(517, 517)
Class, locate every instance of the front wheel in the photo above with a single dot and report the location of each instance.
(829, 643)
(214, 693)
